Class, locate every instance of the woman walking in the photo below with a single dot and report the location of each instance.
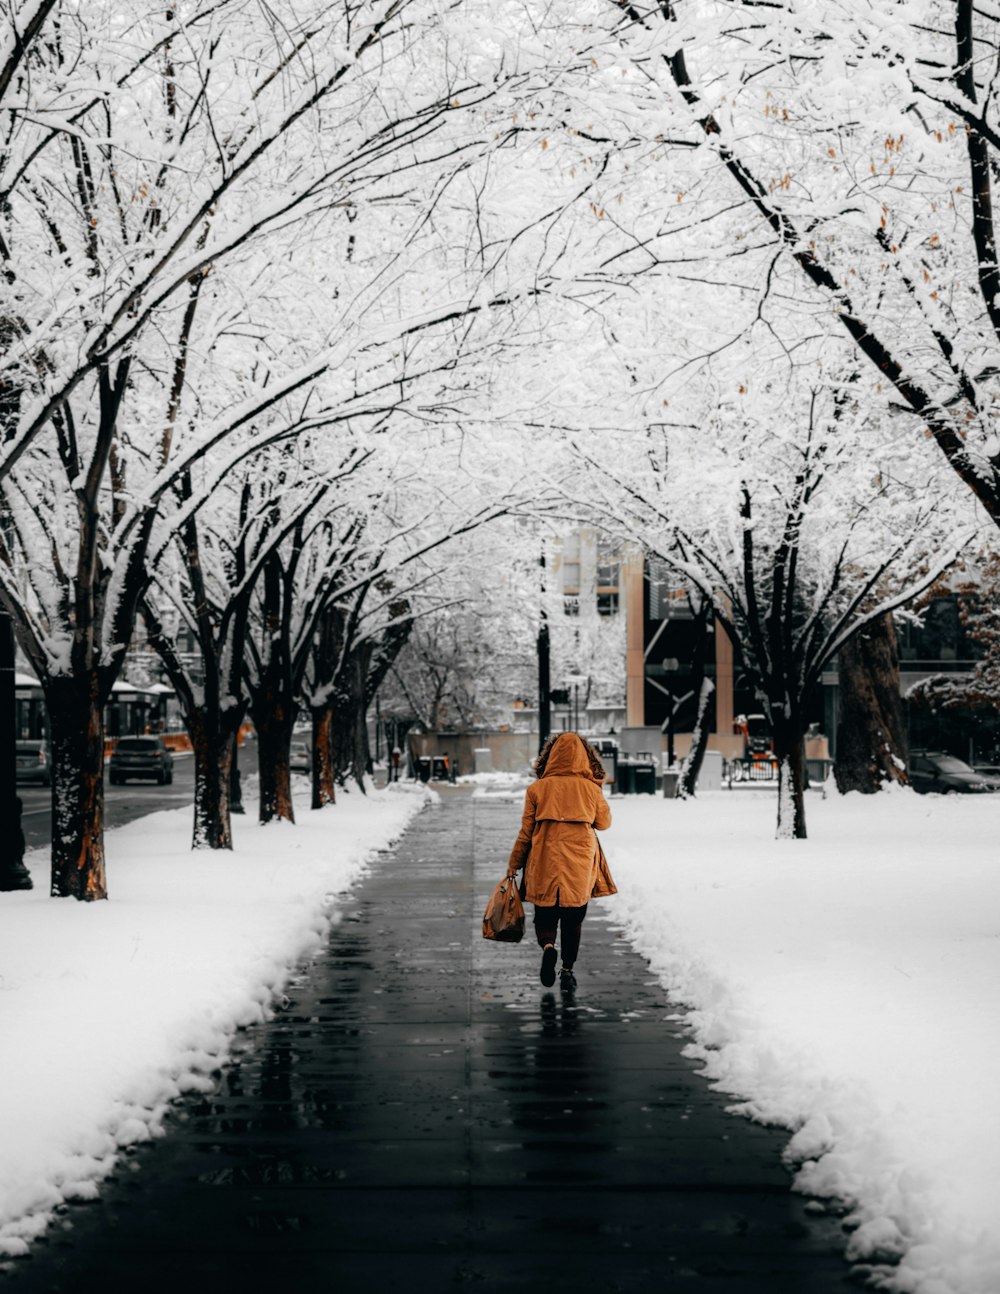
(564, 865)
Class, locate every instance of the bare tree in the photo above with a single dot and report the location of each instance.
(795, 544)
(142, 213)
(908, 269)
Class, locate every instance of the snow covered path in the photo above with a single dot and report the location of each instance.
(109, 1010)
(420, 1115)
(845, 987)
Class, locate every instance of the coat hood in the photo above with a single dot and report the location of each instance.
(568, 756)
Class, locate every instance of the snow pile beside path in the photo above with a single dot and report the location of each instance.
(845, 987)
(496, 780)
(109, 1010)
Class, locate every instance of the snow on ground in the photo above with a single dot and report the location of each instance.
(843, 986)
(496, 780)
(109, 1010)
(846, 987)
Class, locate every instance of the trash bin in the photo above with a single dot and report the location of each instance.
(625, 777)
(440, 771)
(644, 778)
(424, 768)
(671, 776)
(607, 748)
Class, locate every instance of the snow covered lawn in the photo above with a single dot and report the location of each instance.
(108, 1010)
(846, 987)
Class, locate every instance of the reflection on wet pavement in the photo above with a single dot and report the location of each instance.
(422, 1115)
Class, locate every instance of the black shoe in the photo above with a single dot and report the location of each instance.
(567, 980)
(548, 972)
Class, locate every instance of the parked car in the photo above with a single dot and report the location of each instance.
(32, 763)
(991, 772)
(300, 760)
(932, 770)
(140, 757)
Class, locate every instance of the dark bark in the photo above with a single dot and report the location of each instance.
(330, 701)
(272, 693)
(75, 701)
(349, 671)
(21, 43)
(789, 749)
(349, 731)
(325, 649)
(699, 742)
(212, 726)
(213, 740)
(774, 657)
(703, 689)
(324, 789)
(13, 873)
(75, 706)
(983, 228)
(385, 648)
(273, 712)
(871, 733)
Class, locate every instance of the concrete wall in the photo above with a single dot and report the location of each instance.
(729, 744)
(633, 740)
(512, 752)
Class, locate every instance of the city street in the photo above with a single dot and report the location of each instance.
(123, 803)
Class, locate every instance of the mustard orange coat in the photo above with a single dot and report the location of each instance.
(556, 845)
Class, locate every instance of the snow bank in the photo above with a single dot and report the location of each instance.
(844, 987)
(109, 1010)
(496, 780)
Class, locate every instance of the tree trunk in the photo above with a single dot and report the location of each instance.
(699, 743)
(75, 706)
(789, 749)
(349, 742)
(323, 773)
(13, 873)
(871, 734)
(273, 717)
(213, 737)
(703, 615)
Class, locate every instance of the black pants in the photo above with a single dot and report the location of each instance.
(546, 921)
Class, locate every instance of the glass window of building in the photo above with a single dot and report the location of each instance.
(607, 574)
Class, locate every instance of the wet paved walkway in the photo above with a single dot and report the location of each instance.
(424, 1116)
